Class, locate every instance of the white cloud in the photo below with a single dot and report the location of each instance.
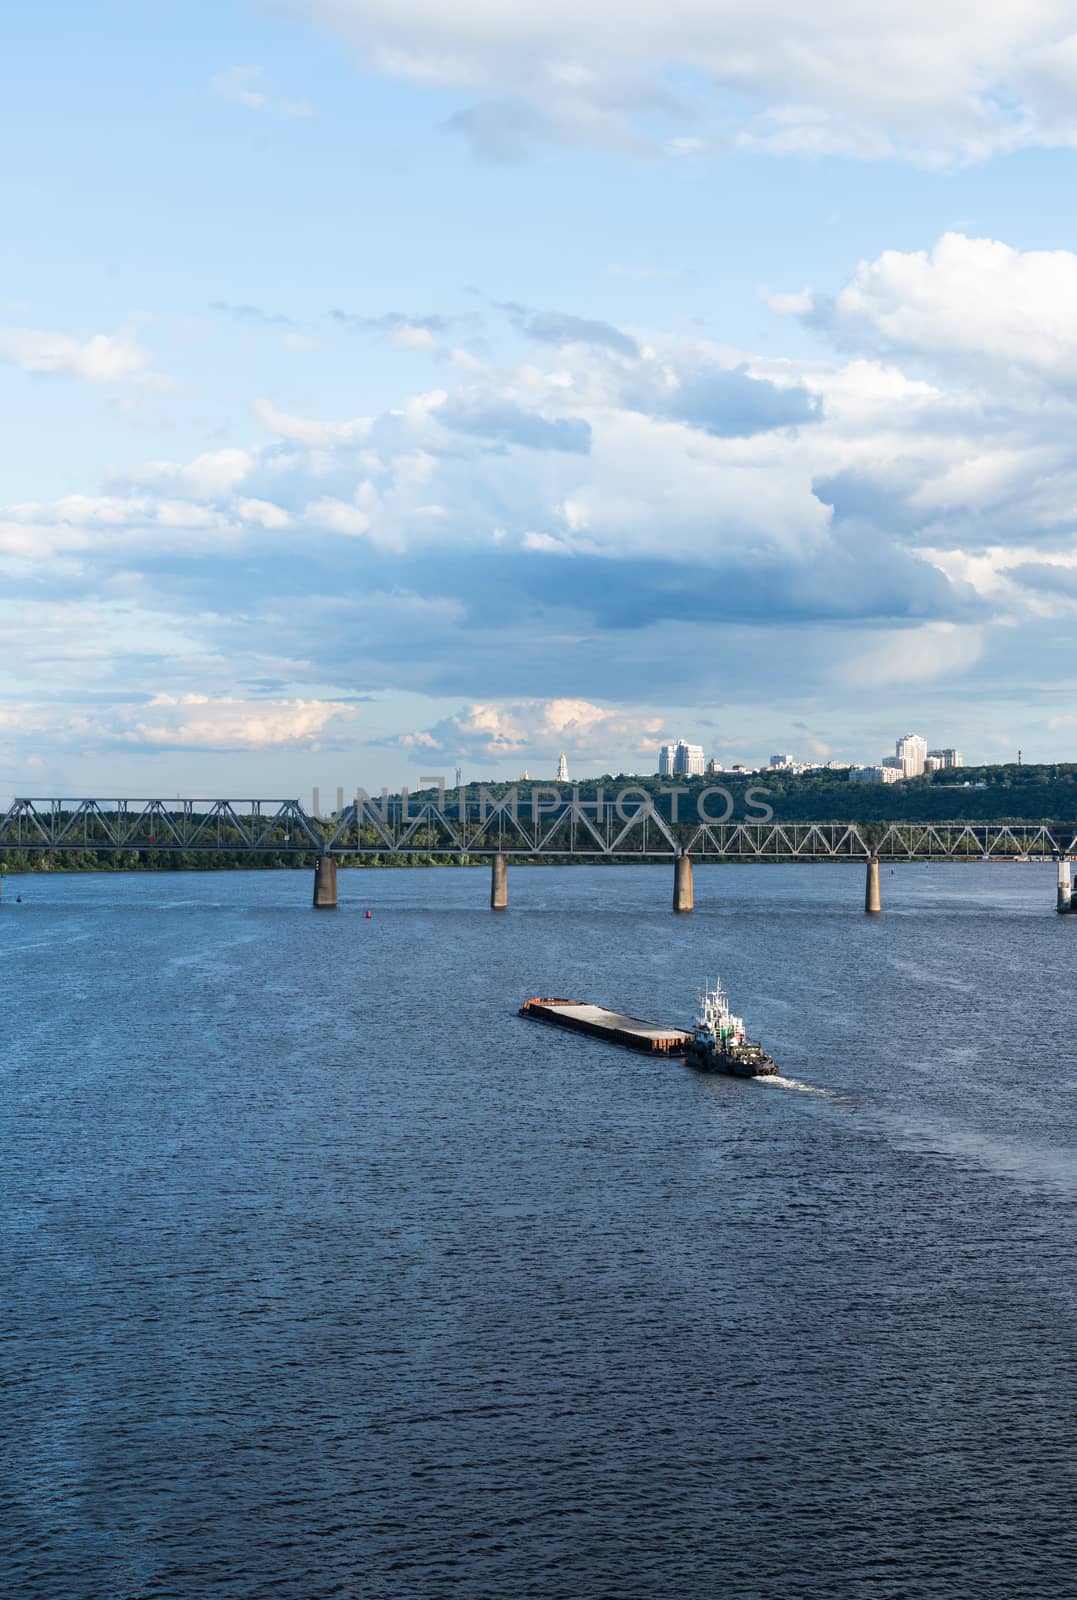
(208, 477)
(19, 718)
(197, 721)
(410, 336)
(497, 729)
(243, 87)
(185, 721)
(103, 358)
(617, 515)
(687, 452)
(264, 512)
(546, 543)
(338, 516)
(914, 78)
(38, 531)
(970, 303)
(798, 304)
(309, 431)
(84, 642)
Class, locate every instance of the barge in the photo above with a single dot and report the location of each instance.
(631, 1032)
(718, 1043)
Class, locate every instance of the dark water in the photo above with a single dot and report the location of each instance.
(326, 1275)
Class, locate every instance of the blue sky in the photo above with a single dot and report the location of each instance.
(391, 387)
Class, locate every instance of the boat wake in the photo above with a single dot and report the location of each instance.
(795, 1083)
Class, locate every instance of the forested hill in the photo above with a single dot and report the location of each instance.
(1029, 794)
(1010, 793)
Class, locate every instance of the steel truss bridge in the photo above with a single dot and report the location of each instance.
(578, 829)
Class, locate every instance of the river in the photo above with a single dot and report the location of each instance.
(327, 1276)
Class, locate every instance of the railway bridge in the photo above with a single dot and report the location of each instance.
(556, 830)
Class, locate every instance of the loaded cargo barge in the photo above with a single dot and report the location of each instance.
(632, 1032)
(718, 1043)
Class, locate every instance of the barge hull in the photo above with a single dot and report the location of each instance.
(631, 1032)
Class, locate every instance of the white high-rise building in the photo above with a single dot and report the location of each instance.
(681, 760)
(689, 760)
(911, 751)
(562, 768)
(948, 758)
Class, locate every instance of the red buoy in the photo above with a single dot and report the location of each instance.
(370, 913)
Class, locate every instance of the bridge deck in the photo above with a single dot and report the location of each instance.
(577, 830)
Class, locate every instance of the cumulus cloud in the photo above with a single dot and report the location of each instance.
(916, 80)
(976, 305)
(497, 730)
(264, 513)
(185, 721)
(725, 400)
(1055, 579)
(102, 358)
(505, 422)
(762, 474)
(207, 477)
(633, 517)
(309, 430)
(97, 524)
(196, 721)
(338, 516)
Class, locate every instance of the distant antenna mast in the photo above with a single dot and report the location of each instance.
(1018, 758)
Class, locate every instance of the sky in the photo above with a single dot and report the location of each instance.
(391, 387)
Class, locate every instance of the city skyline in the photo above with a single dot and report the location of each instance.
(373, 431)
(531, 765)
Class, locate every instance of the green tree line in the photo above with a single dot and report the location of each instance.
(1021, 795)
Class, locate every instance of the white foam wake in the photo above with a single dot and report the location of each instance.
(795, 1083)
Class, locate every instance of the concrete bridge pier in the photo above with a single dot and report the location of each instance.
(499, 883)
(683, 896)
(873, 900)
(1065, 888)
(325, 883)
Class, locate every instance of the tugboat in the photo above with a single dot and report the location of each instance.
(719, 1043)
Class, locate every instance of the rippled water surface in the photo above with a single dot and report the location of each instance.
(325, 1274)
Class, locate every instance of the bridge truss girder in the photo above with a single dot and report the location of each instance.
(572, 829)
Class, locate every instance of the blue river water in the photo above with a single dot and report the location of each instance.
(324, 1274)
